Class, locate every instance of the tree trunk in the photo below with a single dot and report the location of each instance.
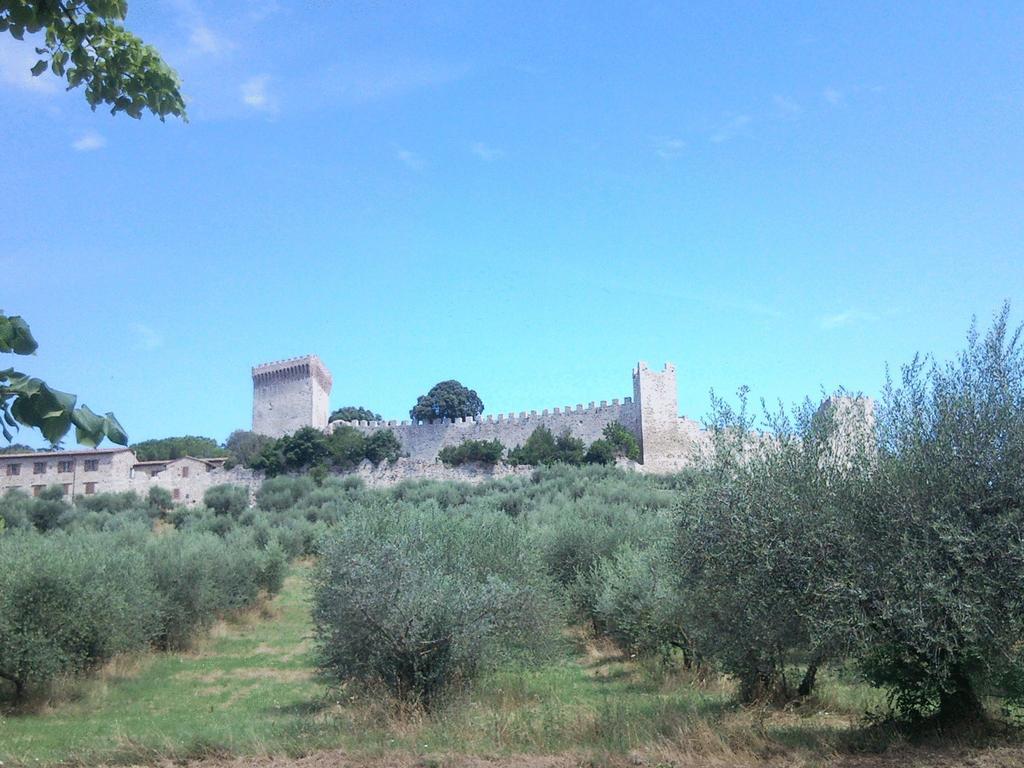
(960, 704)
(807, 684)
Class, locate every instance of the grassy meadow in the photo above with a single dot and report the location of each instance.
(250, 687)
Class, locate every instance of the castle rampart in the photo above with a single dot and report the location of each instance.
(291, 394)
(423, 440)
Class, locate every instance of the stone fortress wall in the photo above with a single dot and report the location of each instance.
(293, 393)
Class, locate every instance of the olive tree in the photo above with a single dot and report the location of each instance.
(939, 569)
(762, 550)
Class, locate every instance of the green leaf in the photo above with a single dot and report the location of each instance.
(114, 431)
(38, 68)
(15, 336)
(89, 427)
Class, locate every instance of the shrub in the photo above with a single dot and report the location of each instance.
(382, 445)
(68, 604)
(160, 499)
(600, 452)
(542, 447)
(622, 441)
(636, 601)
(479, 451)
(199, 578)
(347, 446)
(227, 499)
(46, 510)
(419, 602)
(278, 494)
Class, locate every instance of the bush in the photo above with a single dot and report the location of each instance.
(479, 451)
(623, 442)
(382, 445)
(200, 578)
(600, 452)
(419, 602)
(68, 604)
(160, 499)
(636, 601)
(542, 447)
(227, 499)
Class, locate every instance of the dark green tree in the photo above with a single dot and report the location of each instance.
(447, 400)
(354, 413)
(85, 42)
(168, 448)
(31, 402)
(244, 446)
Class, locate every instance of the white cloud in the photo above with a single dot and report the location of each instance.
(202, 39)
(17, 57)
(843, 319)
(668, 148)
(410, 160)
(89, 141)
(731, 129)
(486, 153)
(255, 94)
(787, 107)
(145, 337)
(833, 96)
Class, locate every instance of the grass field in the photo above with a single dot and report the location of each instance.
(250, 688)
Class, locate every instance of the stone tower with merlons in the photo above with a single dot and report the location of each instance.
(290, 394)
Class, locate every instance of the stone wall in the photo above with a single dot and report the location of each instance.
(422, 441)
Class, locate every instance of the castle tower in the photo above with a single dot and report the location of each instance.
(290, 394)
(657, 406)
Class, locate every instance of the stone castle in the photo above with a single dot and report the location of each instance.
(290, 394)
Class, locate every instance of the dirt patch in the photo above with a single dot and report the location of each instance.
(1000, 757)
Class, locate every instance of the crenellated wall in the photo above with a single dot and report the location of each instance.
(291, 394)
(423, 440)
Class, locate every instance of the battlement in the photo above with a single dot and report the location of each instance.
(293, 393)
(501, 418)
(290, 394)
(293, 368)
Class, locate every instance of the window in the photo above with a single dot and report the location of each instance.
(65, 466)
(37, 489)
(67, 489)
(177, 494)
(39, 468)
(13, 469)
(91, 465)
(184, 471)
(90, 488)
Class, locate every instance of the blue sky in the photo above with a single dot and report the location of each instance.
(528, 199)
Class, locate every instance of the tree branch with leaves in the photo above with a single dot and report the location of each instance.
(85, 42)
(31, 402)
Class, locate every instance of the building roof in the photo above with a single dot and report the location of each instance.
(63, 454)
(213, 461)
